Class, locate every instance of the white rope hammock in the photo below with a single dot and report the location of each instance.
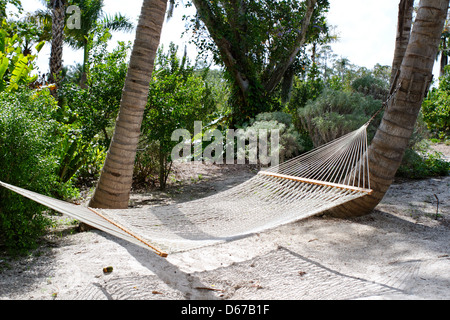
(321, 179)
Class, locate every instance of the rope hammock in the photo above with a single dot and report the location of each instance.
(321, 179)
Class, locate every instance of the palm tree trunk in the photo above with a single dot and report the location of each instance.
(444, 57)
(56, 54)
(405, 18)
(83, 81)
(113, 189)
(392, 137)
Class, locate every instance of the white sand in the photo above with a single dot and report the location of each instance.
(399, 252)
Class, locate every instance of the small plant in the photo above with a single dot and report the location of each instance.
(419, 164)
(15, 66)
(436, 108)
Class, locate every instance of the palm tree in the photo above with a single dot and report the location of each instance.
(114, 186)
(56, 54)
(91, 15)
(404, 24)
(392, 137)
(341, 66)
(444, 48)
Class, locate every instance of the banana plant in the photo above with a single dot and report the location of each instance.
(4, 61)
(15, 67)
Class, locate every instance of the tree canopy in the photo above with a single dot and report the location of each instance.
(259, 43)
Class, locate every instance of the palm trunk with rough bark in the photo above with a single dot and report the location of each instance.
(404, 25)
(56, 54)
(392, 137)
(444, 58)
(114, 186)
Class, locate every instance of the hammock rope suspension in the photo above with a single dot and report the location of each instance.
(321, 179)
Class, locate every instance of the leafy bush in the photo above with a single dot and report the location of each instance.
(280, 117)
(28, 139)
(303, 91)
(178, 97)
(291, 142)
(147, 165)
(418, 164)
(15, 66)
(371, 86)
(419, 161)
(89, 113)
(436, 108)
(335, 113)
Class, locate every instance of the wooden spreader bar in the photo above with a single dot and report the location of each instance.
(156, 250)
(316, 182)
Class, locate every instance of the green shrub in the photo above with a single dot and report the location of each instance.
(419, 164)
(89, 113)
(15, 66)
(304, 90)
(280, 117)
(28, 138)
(178, 97)
(419, 161)
(436, 108)
(371, 86)
(336, 113)
(292, 143)
(147, 165)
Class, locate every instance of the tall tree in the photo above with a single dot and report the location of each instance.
(56, 54)
(114, 186)
(92, 14)
(391, 139)
(257, 42)
(404, 24)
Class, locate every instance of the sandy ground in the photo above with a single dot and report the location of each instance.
(400, 251)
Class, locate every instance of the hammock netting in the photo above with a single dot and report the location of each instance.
(312, 183)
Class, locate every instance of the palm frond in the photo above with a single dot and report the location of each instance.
(117, 22)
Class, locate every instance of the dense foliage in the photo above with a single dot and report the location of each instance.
(291, 142)
(436, 108)
(51, 146)
(89, 113)
(419, 163)
(336, 113)
(30, 138)
(16, 65)
(178, 97)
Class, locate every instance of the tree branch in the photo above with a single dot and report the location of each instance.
(225, 47)
(277, 74)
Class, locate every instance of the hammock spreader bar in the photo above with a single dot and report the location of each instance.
(152, 247)
(316, 182)
(86, 215)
